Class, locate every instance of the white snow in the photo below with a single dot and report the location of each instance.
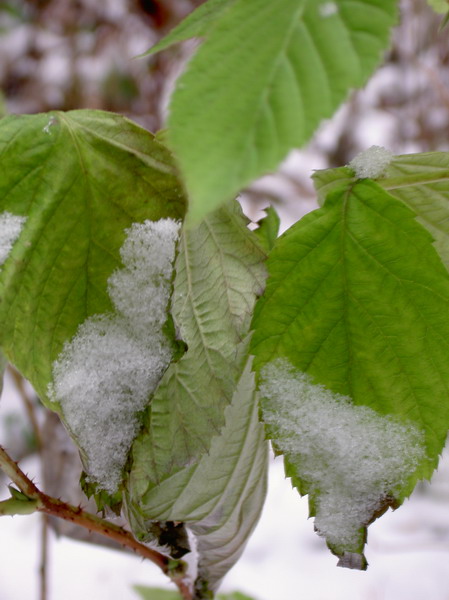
(105, 374)
(327, 9)
(350, 455)
(50, 123)
(371, 163)
(10, 228)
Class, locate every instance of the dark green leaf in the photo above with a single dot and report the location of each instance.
(80, 179)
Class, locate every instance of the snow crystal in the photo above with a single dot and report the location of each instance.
(10, 228)
(327, 9)
(50, 123)
(371, 163)
(351, 456)
(105, 374)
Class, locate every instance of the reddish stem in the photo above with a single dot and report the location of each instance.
(57, 508)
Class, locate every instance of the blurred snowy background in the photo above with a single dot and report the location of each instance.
(67, 54)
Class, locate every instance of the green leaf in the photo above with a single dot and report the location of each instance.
(239, 458)
(421, 181)
(221, 496)
(329, 180)
(150, 593)
(259, 85)
(203, 417)
(80, 179)
(147, 593)
(234, 596)
(357, 300)
(439, 6)
(268, 229)
(196, 24)
(219, 272)
(13, 506)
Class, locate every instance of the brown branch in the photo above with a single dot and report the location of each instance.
(174, 569)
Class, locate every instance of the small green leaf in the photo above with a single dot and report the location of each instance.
(266, 75)
(268, 229)
(150, 593)
(356, 302)
(234, 596)
(80, 179)
(13, 506)
(196, 24)
(147, 593)
(17, 494)
(439, 6)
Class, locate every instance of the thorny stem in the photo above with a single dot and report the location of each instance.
(175, 569)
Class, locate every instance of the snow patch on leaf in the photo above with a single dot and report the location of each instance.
(350, 457)
(106, 373)
(327, 9)
(10, 228)
(371, 163)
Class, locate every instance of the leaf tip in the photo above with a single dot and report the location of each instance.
(353, 560)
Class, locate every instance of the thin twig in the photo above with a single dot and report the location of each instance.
(43, 575)
(28, 403)
(31, 413)
(175, 569)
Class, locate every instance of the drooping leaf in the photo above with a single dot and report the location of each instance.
(240, 455)
(80, 179)
(268, 229)
(201, 457)
(196, 24)
(259, 85)
(356, 301)
(219, 272)
(220, 497)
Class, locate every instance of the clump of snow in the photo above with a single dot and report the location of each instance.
(105, 374)
(371, 163)
(10, 228)
(139, 292)
(350, 456)
(327, 9)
